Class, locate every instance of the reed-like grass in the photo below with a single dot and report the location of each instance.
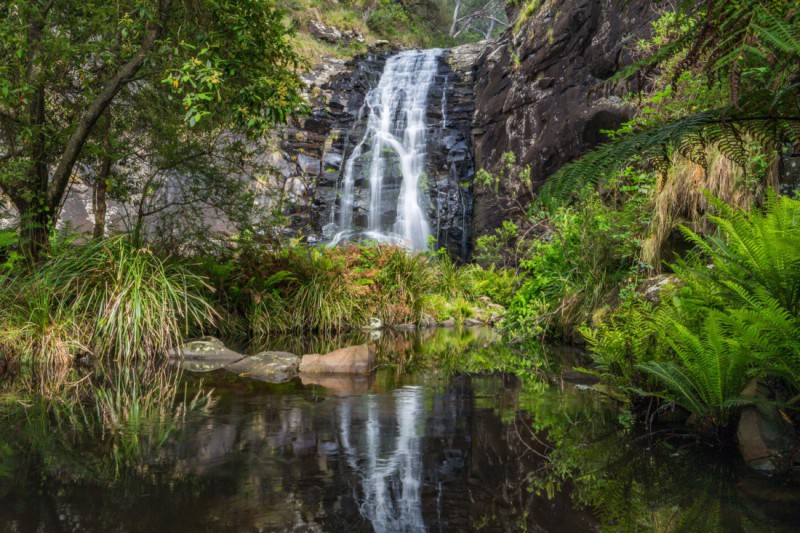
(106, 300)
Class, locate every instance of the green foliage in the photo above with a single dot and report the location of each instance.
(710, 372)
(736, 316)
(754, 281)
(626, 339)
(304, 289)
(575, 267)
(70, 78)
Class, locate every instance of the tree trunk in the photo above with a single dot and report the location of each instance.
(455, 18)
(35, 224)
(36, 215)
(99, 206)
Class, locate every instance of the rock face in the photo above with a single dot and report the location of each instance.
(273, 367)
(351, 360)
(540, 92)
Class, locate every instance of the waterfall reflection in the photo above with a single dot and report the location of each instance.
(389, 460)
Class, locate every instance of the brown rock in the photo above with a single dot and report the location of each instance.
(765, 438)
(351, 360)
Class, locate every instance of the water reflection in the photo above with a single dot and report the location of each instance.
(430, 451)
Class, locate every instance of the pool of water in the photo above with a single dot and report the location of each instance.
(415, 447)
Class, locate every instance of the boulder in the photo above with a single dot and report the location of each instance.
(351, 360)
(473, 322)
(272, 367)
(765, 437)
(208, 350)
(426, 321)
(449, 323)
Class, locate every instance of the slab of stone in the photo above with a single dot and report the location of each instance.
(207, 350)
(272, 367)
(351, 360)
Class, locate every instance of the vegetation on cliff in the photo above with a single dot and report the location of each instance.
(688, 187)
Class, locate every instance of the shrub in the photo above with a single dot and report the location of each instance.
(574, 268)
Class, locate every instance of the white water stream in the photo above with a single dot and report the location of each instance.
(395, 135)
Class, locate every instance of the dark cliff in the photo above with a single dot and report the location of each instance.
(542, 92)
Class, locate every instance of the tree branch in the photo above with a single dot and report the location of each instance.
(72, 150)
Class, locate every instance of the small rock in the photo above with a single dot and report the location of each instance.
(273, 367)
(408, 326)
(449, 323)
(473, 322)
(351, 360)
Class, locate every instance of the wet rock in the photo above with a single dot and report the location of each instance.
(408, 326)
(208, 350)
(351, 360)
(542, 91)
(764, 436)
(272, 367)
(448, 323)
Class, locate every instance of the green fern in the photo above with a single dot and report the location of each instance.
(711, 371)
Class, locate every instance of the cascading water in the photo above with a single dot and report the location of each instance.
(394, 140)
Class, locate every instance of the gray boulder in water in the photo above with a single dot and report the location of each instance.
(272, 367)
(204, 355)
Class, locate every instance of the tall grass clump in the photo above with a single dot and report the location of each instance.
(301, 289)
(106, 299)
(294, 290)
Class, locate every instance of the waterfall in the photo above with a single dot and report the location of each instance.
(392, 149)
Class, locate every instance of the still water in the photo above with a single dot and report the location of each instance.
(419, 446)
